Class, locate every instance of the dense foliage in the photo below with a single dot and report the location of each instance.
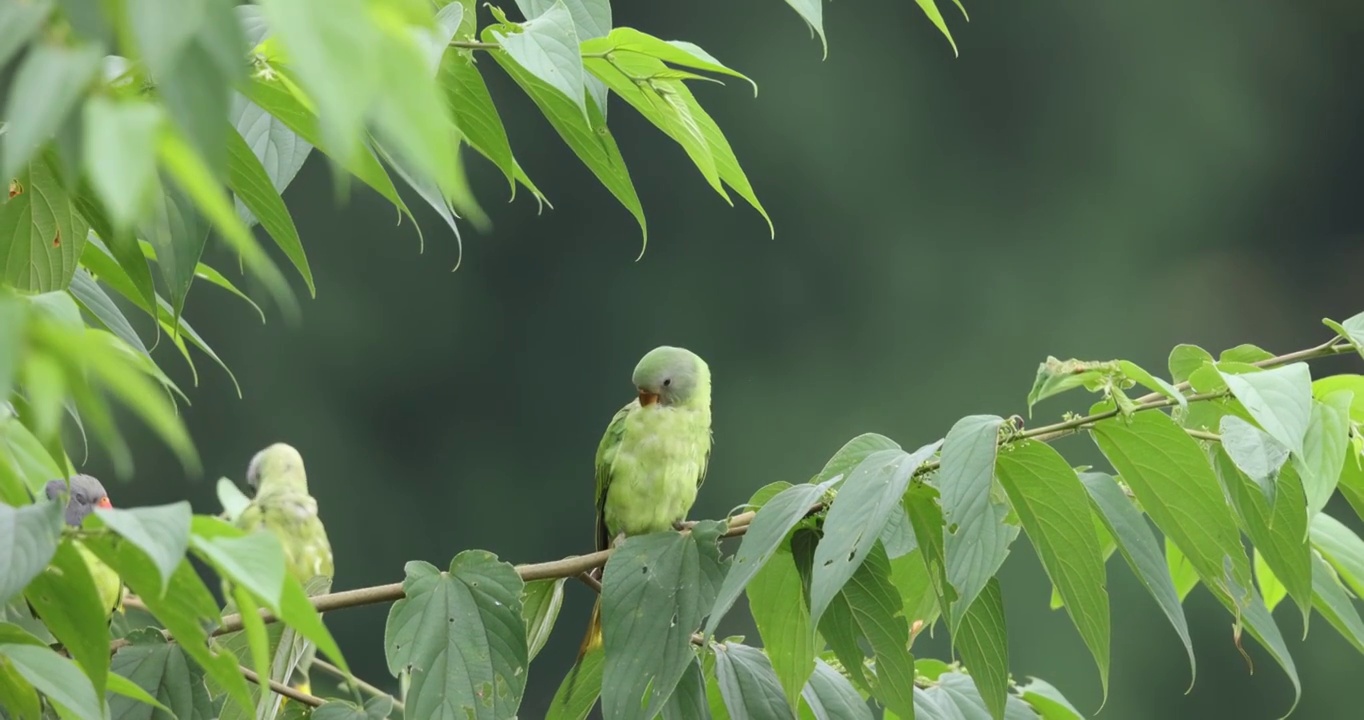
(136, 130)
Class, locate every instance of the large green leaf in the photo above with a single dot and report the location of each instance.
(1054, 508)
(830, 696)
(853, 452)
(467, 97)
(767, 533)
(164, 671)
(1278, 529)
(1333, 602)
(656, 589)
(1342, 548)
(1139, 547)
(29, 536)
(92, 297)
(1325, 448)
(462, 636)
(747, 684)
(56, 677)
(17, 695)
(281, 151)
(46, 85)
(867, 614)
(160, 531)
(546, 46)
(778, 602)
(41, 233)
(688, 701)
(1255, 453)
(976, 538)
(120, 154)
(577, 694)
(983, 643)
(18, 23)
(254, 187)
(1280, 400)
(812, 12)
(68, 602)
(1048, 701)
(864, 503)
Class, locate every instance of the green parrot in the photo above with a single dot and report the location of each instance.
(88, 493)
(653, 457)
(282, 506)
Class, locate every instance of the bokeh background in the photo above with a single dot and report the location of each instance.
(1090, 180)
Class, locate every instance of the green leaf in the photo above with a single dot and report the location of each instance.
(540, 603)
(921, 503)
(1249, 608)
(1342, 548)
(1054, 508)
(864, 503)
(66, 599)
(589, 138)
(160, 531)
(1185, 359)
(162, 670)
(767, 533)
(120, 157)
(29, 536)
(467, 97)
(1278, 529)
(1245, 353)
(281, 151)
(955, 697)
(1182, 572)
(17, 695)
(1333, 383)
(976, 538)
(830, 696)
(1280, 400)
(13, 317)
(56, 677)
(254, 560)
(196, 180)
(462, 635)
(1271, 588)
(585, 688)
(931, 10)
(41, 233)
(1138, 546)
(747, 684)
(1330, 599)
(93, 298)
(253, 187)
(19, 21)
(1057, 376)
(1352, 329)
(689, 700)
(630, 40)
(1136, 374)
(656, 589)
(1255, 453)
(983, 643)
(232, 499)
(1325, 448)
(812, 12)
(127, 688)
(1049, 703)
(185, 607)
(868, 614)
(777, 599)
(852, 454)
(547, 48)
(376, 708)
(1170, 476)
(47, 84)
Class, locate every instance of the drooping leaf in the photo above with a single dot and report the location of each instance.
(830, 696)
(67, 600)
(812, 12)
(179, 234)
(47, 85)
(864, 503)
(1054, 508)
(1271, 588)
(161, 532)
(1049, 703)
(120, 154)
(976, 538)
(656, 589)
(1139, 547)
(983, 643)
(253, 187)
(41, 233)
(1182, 572)
(765, 535)
(1352, 330)
(467, 96)
(921, 503)
(1255, 453)
(779, 604)
(60, 679)
(540, 603)
(689, 699)
(585, 688)
(747, 684)
(1342, 548)
(1325, 448)
(547, 48)
(462, 635)
(1333, 602)
(29, 536)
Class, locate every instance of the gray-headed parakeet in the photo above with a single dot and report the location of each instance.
(88, 493)
(653, 457)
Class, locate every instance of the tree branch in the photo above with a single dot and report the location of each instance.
(281, 689)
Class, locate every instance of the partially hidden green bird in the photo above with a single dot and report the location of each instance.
(86, 494)
(282, 506)
(653, 457)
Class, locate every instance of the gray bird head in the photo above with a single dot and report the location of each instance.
(671, 376)
(280, 462)
(87, 493)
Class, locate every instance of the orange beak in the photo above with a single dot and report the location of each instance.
(647, 398)
(104, 503)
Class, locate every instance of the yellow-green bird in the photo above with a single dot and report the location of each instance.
(88, 493)
(282, 506)
(654, 455)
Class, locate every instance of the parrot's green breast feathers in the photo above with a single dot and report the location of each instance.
(283, 506)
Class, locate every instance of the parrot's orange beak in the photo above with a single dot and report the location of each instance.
(647, 398)
(104, 503)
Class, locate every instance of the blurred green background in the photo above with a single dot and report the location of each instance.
(1094, 180)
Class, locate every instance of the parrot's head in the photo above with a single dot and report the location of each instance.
(278, 466)
(87, 493)
(672, 376)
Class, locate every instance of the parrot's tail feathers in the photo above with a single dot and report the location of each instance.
(591, 641)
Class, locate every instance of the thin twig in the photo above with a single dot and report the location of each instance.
(338, 673)
(280, 688)
(588, 580)
(472, 45)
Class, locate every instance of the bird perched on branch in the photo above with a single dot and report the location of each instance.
(88, 493)
(282, 506)
(652, 459)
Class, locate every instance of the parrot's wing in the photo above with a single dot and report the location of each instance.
(606, 460)
(705, 461)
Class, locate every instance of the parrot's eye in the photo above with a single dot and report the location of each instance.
(667, 382)
(80, 498)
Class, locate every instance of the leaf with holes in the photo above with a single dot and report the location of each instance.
(41, 232)
(976, 538)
